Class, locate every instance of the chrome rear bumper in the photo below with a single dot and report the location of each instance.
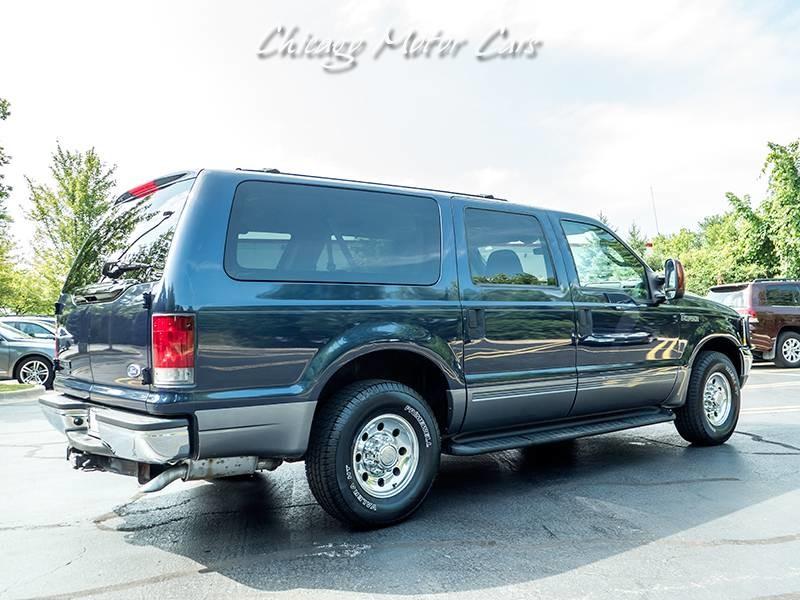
(117, 433)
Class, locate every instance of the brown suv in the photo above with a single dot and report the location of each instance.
(773, 308)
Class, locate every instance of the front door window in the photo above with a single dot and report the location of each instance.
(604, 263)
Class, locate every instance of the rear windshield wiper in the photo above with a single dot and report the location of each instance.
(114, 270)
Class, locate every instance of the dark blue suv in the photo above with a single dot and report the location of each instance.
(225, 321)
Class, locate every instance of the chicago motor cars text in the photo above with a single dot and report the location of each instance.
(342, 55)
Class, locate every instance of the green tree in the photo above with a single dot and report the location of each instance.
(6, 246)
(636, 239)
(781, 209)
(601, 216)
(65, 212)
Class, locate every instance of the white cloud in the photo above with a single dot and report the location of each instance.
(679, 95)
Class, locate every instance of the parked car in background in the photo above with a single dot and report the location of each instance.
(42, 328)
(26, 358)
(773, 308)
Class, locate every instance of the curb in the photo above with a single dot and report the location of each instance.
(23, 396)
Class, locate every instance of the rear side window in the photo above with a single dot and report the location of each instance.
(290, 232)
(735, 298)
(507, 248)
(135, 232)
(32, 328)
(783, 295)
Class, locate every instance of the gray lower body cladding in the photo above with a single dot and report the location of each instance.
(274, 430)
(278, 430)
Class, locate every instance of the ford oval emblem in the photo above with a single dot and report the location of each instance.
(134, 370)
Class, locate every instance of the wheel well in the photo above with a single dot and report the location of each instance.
(726, 347)
(786, 328)
(412, 369)
(22, 359)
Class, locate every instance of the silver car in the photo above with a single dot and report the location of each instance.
(43, 328)
(25, 358)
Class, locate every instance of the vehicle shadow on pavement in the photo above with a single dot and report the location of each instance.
(491, 520)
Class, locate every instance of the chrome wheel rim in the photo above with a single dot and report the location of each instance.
(385, 455)
(717, 399)
(791, 350)
(34, 371)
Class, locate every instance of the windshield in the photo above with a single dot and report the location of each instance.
(10, 333)
(137, 231)
(732, 298)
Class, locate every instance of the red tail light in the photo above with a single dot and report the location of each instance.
(173, 349)
(752, 315)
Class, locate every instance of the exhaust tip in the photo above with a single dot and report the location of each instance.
(159, 482)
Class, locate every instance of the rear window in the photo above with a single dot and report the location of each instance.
(290, 232)
(9, 333)
(735, 298)
(138, 231)
(782, 295)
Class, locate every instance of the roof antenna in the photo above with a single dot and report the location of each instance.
(655, 214)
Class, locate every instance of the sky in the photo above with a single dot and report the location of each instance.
(622, 97)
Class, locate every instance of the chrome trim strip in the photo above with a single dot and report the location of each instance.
(520, 390)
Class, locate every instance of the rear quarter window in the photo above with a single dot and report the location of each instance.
(137, 231)
(304, 233)
(782, 295)
(735, 298)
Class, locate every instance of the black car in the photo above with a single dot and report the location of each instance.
(225, 321)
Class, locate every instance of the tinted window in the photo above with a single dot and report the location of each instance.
(136, 231)
(10, 333)
(735, 298)
(783, 295)
(507, 248)
(602, 261)
(287, 232)
(32, 328)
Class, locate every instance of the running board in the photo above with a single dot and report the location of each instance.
(471, 444)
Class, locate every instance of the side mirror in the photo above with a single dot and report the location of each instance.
(674, 279)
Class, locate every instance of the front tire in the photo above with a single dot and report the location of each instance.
(373, 454)
(713, 400)
(787, 350)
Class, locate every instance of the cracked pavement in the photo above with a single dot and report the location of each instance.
(635, 514)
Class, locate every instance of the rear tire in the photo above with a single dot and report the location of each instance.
(36, 370)
(373, 453)
(787, 350)
(713, 400)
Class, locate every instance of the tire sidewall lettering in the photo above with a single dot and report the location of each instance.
(354, 489)
(426, 432)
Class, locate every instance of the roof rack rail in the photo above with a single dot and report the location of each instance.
(768, 279)
(410, 187)
(264, 170)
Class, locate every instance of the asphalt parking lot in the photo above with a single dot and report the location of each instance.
(633, 514)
